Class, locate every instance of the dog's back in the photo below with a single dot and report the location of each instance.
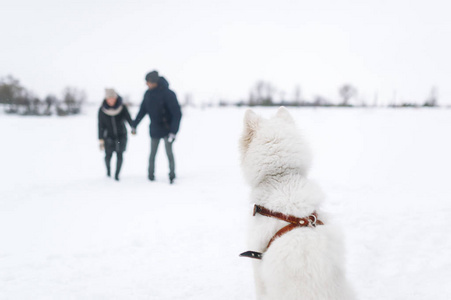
(306, 262)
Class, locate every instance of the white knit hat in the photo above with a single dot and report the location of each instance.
(110, 93)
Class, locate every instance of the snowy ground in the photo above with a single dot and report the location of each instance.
(68, 232)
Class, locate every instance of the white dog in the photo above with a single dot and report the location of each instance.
(304, 262)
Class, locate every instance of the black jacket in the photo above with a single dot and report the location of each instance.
(163, 109)
(112, 120)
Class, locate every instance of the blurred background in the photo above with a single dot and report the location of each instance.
(375, 53)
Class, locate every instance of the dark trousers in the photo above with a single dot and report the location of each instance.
(153, 153)
(108, 156)
(112, 146)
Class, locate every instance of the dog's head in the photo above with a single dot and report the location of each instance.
(272, 147)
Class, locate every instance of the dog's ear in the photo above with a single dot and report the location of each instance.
(251, 124)
(283, 113)
(251, 119)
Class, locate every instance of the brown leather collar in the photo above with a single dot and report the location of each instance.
(295, 222)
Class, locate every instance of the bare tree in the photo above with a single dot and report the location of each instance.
(73, 98)
(24, 102)
(431, 100)
(252, 99)
(10, 90)
(320, 101)
(282, 99)
(347, 92)
(297, 101)
(49, 101)
(262, 94)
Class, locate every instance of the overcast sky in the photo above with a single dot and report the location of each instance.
(219, 49)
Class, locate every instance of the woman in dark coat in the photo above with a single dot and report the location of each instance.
(112, 132)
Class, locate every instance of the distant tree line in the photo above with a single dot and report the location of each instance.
(18, 100)
(263, 93)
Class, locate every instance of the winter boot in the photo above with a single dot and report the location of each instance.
(118, 165)
(108, 164)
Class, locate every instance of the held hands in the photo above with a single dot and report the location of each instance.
(133, 130)
(101, 144)
(171, 138)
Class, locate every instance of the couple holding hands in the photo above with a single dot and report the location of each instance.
(160, 103)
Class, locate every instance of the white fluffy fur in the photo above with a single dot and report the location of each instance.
(305, 263)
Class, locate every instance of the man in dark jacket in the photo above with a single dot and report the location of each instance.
(161, 104)
(112, 132)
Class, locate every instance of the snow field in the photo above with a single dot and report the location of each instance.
(69, 232)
